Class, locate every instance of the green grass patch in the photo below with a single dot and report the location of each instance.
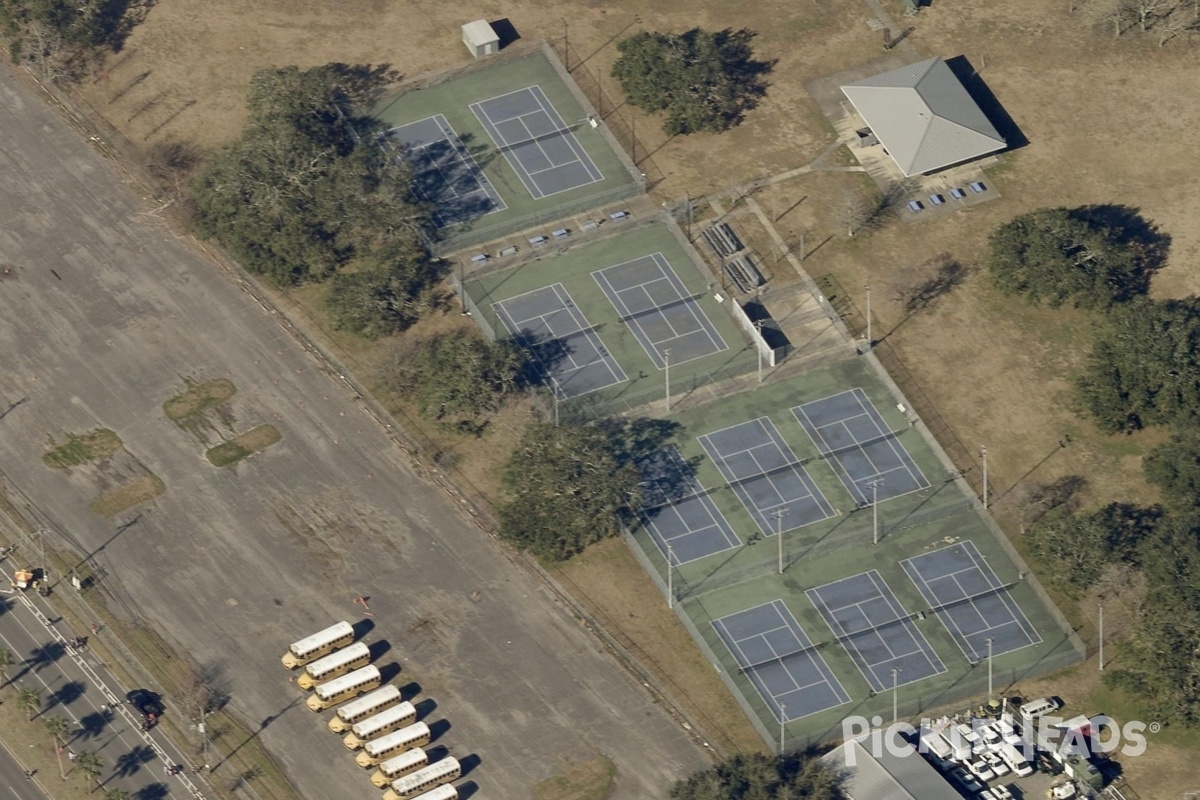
(134, 493)
(198, 398)
(243, 445)
(587, 780)
(83, 448)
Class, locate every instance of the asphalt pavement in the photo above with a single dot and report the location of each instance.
(14, 785)
(77, 686)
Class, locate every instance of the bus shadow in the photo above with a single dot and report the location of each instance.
(410, 690)
(425, 707)
(439, 729)
(362, 628)
(469, 763)
(379, 649)
(468, 789)
(389, 671)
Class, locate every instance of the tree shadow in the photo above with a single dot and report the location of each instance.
(90, 726)
(982, 94)
(66, 694)
(155, 791)
(926, 285)
(130, 763)
(1126, 226)
(116, 19)
(45, 656)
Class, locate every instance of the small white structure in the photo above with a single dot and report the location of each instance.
(480, 38)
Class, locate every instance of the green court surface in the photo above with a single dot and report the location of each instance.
(573, 270)
(452, 98)
(747, 576)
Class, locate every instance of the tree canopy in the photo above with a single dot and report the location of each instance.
(1092, 256)
(754, 776)
(1175, 467)
(572, 485)
(307, 190)
(1075, 548)
(1144, 368)
(388, 293)
(54, 36)
(703, 80)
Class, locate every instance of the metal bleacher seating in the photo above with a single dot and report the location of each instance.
(743, 273)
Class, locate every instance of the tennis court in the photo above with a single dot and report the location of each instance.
(879, 636)
(660, 312)
(536, 142)
(970, 601)
(779, 659)
(445, 174)
(766, 476)
(853, 436)
(547, 321)
(682, 519)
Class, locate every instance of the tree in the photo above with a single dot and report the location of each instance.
(703, 80)
(57, 727)
(1144, 368)
(1092, 256)
(572, 485)
(1174, 467)
(307, 189)
(29, 700)
(90, 764)
(1077, 547)
(459, 377)
(6, 663)
(756, 776)
(388, 298)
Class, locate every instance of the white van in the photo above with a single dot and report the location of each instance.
(1036, 708)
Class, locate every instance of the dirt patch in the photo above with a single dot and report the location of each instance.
(243, 445)
(84, 448)
(587, 780)
(198, 398)
(135, 493)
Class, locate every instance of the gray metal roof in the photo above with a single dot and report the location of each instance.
(924, 117)
(887, 777)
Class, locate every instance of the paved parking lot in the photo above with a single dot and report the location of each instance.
(101, 314)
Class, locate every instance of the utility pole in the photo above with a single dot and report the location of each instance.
(688, 200)
(566, 48)
(989, 643)
(802, 247)
(204, 733)
(870, 340)
(667, 371)
(670, 575)
(875, 509)
(895, 688)
(782, 729)
(983, 452)
(758, 346)
(779, 512)
(554, 393)
(1101, 608)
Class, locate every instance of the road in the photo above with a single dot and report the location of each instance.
(13, 783)
(75, 685)
(103, 314)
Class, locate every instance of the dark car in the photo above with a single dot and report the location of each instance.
(147, 703)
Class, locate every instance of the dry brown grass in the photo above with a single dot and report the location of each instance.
(198, 398)
(134, 493)
(586, 780)
(243, 445)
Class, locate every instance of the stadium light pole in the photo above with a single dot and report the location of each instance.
(1101, 609)
(667, 370)
(566, 48)
(895, 689)
(670, 575)
(870, 339)
(983, 452)
(779, 512)
(782, 728)
(989, 643)
(554, 392)
(758, 326)
(875, 510)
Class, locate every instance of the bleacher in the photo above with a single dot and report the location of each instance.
(743, 273)
(722, 240)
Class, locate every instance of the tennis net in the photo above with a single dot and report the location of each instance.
(858, 445)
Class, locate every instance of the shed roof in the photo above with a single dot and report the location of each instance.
(887, 776)
(479, 32)
(924, 117)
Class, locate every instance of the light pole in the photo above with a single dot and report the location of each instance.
(1101, 608)
(870, 339)
(554, 392)
(989, 643)
(667, 371)
(895, 687)
(983, 452)
(566, 48)
(779, 512)
(782, 723)
(670, 575)
(875, 510)
(204, 734)
(758, 347)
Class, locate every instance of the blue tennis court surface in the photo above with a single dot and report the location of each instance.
(878, 635)
(445, 173)
(547, 321)
(779, 659)
(682, 519)
(854, 437)
(536, 142)
(970, 601)
(766, 476)
(651, 299)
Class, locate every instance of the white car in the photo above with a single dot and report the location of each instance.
(981, 770)
(999, 767)
(990, 734)
(967, 780)
(1024, 769)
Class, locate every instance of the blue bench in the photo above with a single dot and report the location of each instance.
(957, 194)
(536, 240)
(560, 233)
(937, 199)
(915, 206)
(479, 259)
(978, 188)
(618, 216)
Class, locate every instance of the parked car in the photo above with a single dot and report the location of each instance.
(148, 704)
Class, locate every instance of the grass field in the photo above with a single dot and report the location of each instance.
(452, 98)
(721, 584)
(198, 398)
(243, 445)
(83, 448)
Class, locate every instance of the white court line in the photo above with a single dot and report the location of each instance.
(911, 629)
(677, 284)
(902, 455)
(1006, 597)
(614, 369)
(573, 142)
(488, 125)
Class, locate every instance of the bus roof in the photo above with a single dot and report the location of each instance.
(438, 769)
(382, 744)
(383, 694)
(443, 792)
(406, 759)
(343, 656)
(321, 638)
(339, 685)
(385, 717)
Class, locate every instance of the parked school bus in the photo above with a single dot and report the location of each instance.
(393, 744)
(424, 779)
(392, 719)
(443, 792)
(366, 706)
(401, 765)
(334, 665)
(341, 689)
(322, 643)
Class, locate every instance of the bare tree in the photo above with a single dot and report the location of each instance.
(1176, 22)
(1148, 10)
(1117, 13)
(853, 212)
